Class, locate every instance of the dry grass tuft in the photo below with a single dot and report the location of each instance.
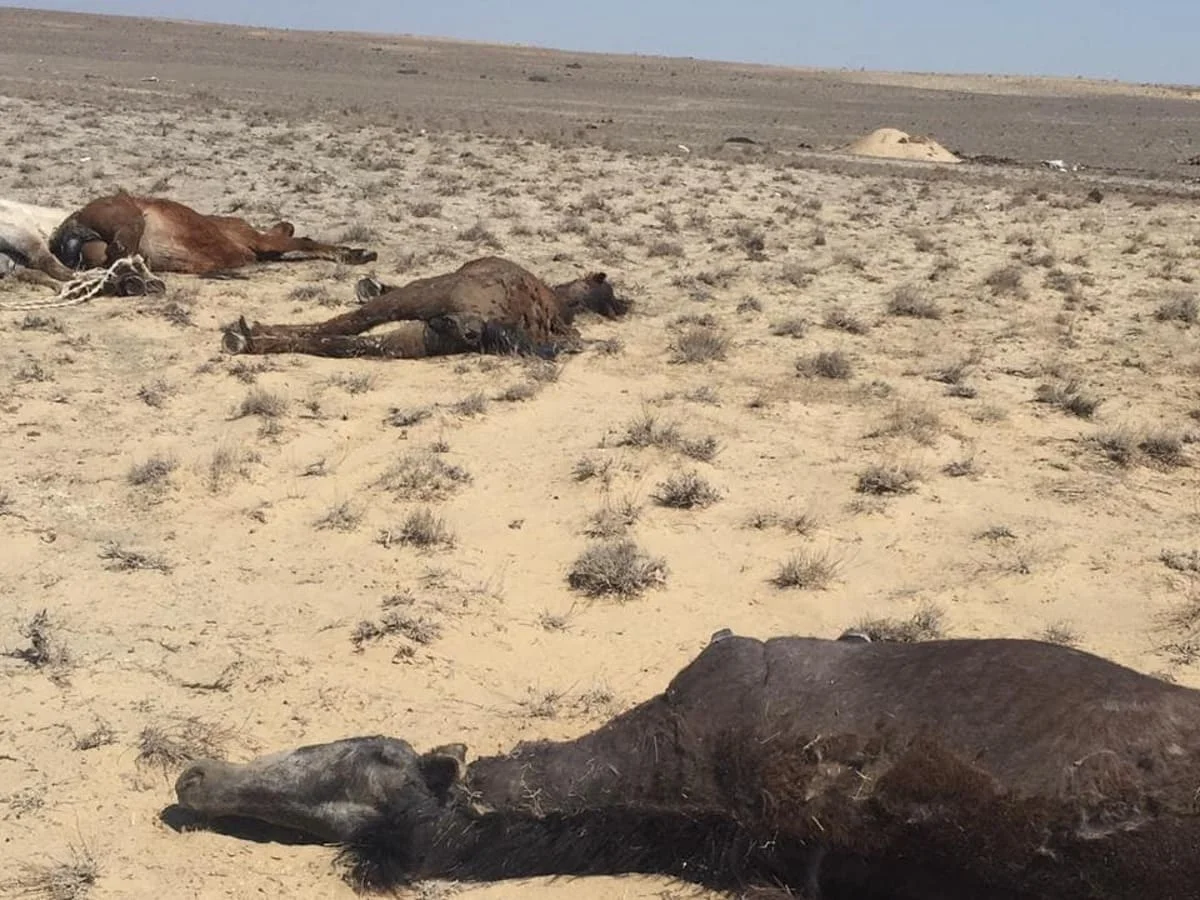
(686, 490)
(417, 629)
(700, 344)
(344, 516)
(1068, 396)
(155, 472)
(70, 879)
(423, 476)
(264, 403)
(833, 364)
(910, 419)
(46, 649)
(910, 301)
(613, 519)
(807, 570)
(168, 749)
(882, 479)
(926, 624)
(841, 319)
(123, 560)
(616, 567)
(421, 528)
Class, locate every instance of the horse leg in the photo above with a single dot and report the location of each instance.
(440, 336)
(274, 243)
(393, 306)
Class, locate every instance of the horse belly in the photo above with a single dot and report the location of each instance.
(194, 246)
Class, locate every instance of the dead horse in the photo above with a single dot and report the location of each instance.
(172, 237)
(989, 769)
(489, 305)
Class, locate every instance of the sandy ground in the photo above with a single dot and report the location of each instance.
(204, 532)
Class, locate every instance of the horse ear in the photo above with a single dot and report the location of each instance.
(442, 767)
(596, 277)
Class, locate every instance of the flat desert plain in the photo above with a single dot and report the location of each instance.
(934, 399)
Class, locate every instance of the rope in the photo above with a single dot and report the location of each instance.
(92, 283)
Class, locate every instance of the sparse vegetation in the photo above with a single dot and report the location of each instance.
(423, 476)
(616, 567)
(472, 405)
(926, 624)
(124, 560)
(794, 328)
(886, 479)
(613, 519)
(1007, 280)
(343, 516)
(917, 421)
(910, 300)
(807, 570)
(699, 344)
(266, 404)
(833, 364)
(169, 748)
(417, 629)
(69, 879)
(155, 472)
(421, 528)
(686, 490)
(46, 649)
(1069, 396)
(1062, 633)
(1179, 307)
(842, 319)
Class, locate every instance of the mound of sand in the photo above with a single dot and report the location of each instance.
(891, 143)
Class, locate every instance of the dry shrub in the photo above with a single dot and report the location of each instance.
(616, 567)
(344, 516)
(833, 364)
(842, 319)
(170, 748)
(914, 420)
(926, 624)
(910, 300)
(699, 344)
(417, 629)
(155, 472)
(686, 490)
(422, 476)
(807, 570)
(613, 519)
(264, 403)
(1006, 280)
(794, 328)
(70, 879)
(46, 649)
(1179, 307)
(882, 479)
(420, 528)
(1068, 396)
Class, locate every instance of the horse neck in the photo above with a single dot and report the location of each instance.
(704, 847)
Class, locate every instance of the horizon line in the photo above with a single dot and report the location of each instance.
(449, 39)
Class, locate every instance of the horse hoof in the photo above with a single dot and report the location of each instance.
(357, 257)
(131, 286)
(155, 286)
(367, 289)
(855, 637)
(234, 342)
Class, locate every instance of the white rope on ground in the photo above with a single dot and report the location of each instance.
(88, 285)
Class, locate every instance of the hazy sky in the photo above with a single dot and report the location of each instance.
(1151, 40)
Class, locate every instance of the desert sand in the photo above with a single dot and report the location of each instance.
(963, 396)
